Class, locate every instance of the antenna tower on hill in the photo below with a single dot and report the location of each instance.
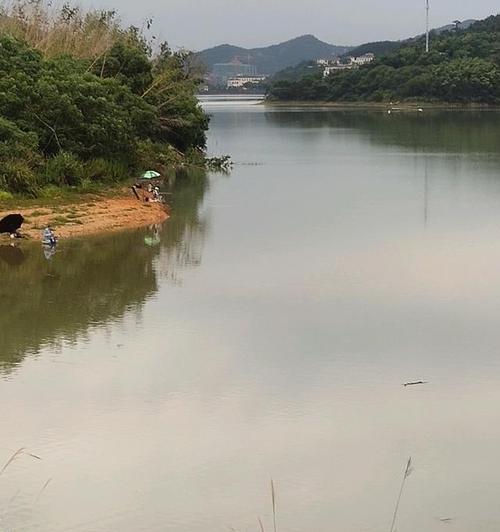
(427, 26)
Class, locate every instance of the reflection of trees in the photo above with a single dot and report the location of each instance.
(94, 280)
(184, 233)
(431, 131)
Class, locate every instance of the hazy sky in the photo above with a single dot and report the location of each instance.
(198, 24)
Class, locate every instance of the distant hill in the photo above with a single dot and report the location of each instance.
(271, 59)
(385, 47)
(378, 48)
(294, 73)
(461, 25)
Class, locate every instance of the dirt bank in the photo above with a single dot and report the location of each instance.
(94, 214)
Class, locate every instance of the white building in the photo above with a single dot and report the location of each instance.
(363, 59)
(335, 68)
(348, 63)
(240, 81)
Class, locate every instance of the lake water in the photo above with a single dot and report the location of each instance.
(268, 335)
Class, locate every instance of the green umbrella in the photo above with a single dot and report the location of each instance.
(150, 174)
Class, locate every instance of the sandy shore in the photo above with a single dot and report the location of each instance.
(93, 215)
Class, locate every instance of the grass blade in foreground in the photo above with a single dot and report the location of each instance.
(408, 472)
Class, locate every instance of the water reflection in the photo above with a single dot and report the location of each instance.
(94, 280)
(12, 255)
(321, 291)
(431, 131)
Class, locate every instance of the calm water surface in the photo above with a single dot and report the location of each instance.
(268, 335)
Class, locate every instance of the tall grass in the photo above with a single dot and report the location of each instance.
(273, 502)
(273, 499)
(60, 30)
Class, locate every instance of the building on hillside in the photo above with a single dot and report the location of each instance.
(335, 68)
(238, 82)
(363, 59)
(221, 72)
(346, 63)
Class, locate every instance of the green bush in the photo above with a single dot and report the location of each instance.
(157, 155)
(17, 176)
(87, 186)
(63, 169)
(105, 171)
(5, 196)
(51, 192)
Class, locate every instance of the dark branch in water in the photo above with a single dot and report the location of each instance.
(414, 383)
(220, 164)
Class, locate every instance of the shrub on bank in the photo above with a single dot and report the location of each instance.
(63, 169)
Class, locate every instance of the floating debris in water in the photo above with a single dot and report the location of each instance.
(416, 383)
(446, 520)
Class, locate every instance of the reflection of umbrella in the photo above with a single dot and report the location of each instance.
(11, 223)
(152, 241)
(150, 174)
(12, 255)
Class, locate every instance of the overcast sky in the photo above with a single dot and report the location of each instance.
(198, 24)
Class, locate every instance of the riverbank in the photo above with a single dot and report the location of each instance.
(86, 215)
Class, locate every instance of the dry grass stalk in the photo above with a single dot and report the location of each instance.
(407, 473)
(53, 32)
(11, 459)
(273, 497)
(40, 493)
(17, 454)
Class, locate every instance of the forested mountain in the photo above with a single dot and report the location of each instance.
(271, 59)
(83, 100)
(377, 48)
(306, 68)
(463, 66)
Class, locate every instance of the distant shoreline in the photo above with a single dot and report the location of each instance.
(383, 106)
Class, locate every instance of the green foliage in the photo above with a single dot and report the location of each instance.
(64, 169)
(377, 48)
(17, 176)
(105, 171)
(5, 196)
(294, 73)
(128, 64)
(65, 118)
(463, 66)
(180, 120)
